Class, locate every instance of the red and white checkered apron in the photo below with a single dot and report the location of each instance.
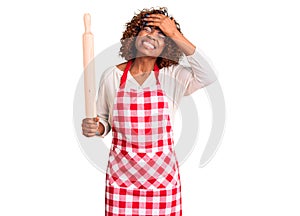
(142, 174)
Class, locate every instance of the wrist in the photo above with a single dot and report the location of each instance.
(100, 129)
(176, 35)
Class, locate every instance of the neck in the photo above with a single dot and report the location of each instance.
(142, 65)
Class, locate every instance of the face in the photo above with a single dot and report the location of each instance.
(150, 42)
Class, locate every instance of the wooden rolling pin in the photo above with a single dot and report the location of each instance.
(89, 69)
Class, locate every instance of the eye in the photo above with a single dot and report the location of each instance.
(147, 29)
(161, 35)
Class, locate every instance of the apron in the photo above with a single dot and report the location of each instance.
(142, 175)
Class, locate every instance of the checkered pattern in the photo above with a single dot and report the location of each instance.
(141, 120)
(127, 202)
(142, 174)
(136, 170)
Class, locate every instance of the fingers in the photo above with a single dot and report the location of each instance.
(155, 18)
(88, 134)
(159, 20)
(158, 16)
(153, 22)
(89, 127)
(90, 121)
(156, 24)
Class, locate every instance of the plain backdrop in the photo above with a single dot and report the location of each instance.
(254, 46)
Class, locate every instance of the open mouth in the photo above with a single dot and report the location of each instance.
(148, 45)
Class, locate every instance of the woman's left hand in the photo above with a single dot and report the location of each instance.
(168, 27)
(166, 24)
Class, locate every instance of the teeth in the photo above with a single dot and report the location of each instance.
(149, 45)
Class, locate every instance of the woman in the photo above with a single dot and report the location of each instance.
(137, 100)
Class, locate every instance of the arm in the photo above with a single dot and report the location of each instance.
(201, 72)
(168, 27)
(91, 127)
(99, 125)
(102, 108)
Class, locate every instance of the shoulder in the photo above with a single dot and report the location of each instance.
(113, 71)
(121, 66)
(110, 77)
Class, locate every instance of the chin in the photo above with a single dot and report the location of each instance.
(146, 52)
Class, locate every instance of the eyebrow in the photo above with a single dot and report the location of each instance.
(159, 30)
(156, 28)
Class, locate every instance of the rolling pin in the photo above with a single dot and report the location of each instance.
(89, 69)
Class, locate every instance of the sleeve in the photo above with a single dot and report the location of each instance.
(202, 72)
(102, 106)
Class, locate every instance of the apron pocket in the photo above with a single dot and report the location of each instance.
(137, 170)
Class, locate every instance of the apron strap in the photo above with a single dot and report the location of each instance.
(124, 76)
(156, 72)
(128, 65)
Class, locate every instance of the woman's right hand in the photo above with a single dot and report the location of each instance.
(89, 127)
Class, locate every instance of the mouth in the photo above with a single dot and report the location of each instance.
(148, 45)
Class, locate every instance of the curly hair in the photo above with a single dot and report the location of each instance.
(171, 53)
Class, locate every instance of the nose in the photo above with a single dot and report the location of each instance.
(150, 36)
(153, 34)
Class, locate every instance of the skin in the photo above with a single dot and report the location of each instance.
(90, 126)
(168, 27)
(158, 26)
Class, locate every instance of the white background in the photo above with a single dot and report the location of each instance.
(254, 46)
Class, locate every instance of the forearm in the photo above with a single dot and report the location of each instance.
(202, 70)
(183, 43)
